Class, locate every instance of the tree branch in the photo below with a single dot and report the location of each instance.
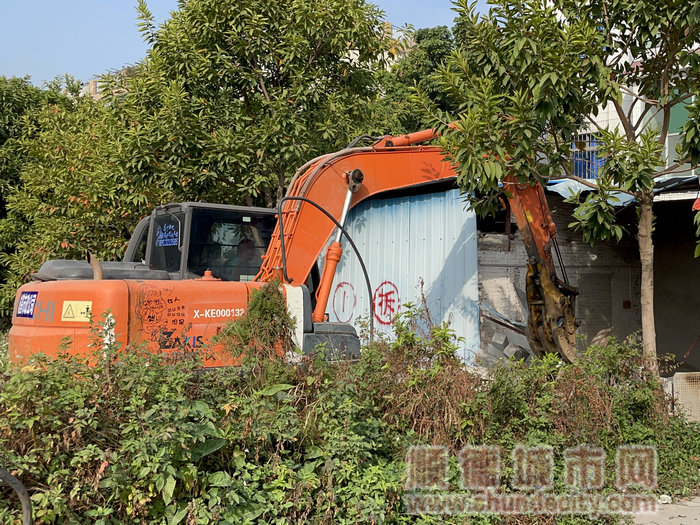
(665, 125)
(313, 56)
(631, 109)
(662, 108)
(641, 118)
(264, 89)
(629, 131)
(585, 182)
(623, 51)
(569, 175)
(554, 135)
(638, 96)
(266, 95)
(592, 121)
(225, 180)
(673, 168)
(664, 93)
(605, 14)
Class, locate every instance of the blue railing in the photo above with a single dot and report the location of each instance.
(584, 154)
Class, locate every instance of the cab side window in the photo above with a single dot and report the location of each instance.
(140, 253)
(166, 250)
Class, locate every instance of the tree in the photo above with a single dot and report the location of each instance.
(70, 195)
(233, 98)
(530, 76)
(228, 103)
(20, 104)
(425, 50)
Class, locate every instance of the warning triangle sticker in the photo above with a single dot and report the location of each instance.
(68, 314)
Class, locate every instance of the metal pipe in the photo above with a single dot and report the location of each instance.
(344, 214)
(96, 266)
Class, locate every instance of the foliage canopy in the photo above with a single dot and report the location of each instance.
(232, 99)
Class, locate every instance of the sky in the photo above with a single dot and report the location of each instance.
(46, 38)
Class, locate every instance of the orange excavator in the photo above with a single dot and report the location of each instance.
(190, 268)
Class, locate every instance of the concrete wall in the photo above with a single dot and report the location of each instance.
(607, 275)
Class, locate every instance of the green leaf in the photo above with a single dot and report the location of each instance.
(208, 447)
(274, 389)
(168, 490)
(314, 452)
(220, 479)
(176, 517)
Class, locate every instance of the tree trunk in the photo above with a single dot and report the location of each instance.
(268, 197)
(646, 257)
(281, 186)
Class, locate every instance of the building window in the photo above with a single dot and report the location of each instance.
(584, 154)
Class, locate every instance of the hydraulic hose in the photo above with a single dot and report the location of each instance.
(361, 138)
(345, 233)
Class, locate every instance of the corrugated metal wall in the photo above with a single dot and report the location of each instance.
(403, 241)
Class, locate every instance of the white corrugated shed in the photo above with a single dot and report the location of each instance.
(404, 241)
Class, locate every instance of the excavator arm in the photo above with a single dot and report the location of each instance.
(551, 325)
(338, 181)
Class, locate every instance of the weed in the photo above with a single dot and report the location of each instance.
(3, 348)
(129, 437)
(417, 380)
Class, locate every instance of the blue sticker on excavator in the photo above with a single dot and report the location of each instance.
(27, 301)
(167, 235)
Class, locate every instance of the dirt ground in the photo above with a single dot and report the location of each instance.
(685, 512)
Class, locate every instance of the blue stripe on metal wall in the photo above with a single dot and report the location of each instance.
(403, 241)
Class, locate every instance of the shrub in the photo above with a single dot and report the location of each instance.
(417, 380)
(134, 437)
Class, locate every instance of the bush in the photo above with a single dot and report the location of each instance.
(135, 438)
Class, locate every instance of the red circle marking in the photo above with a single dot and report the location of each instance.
(386, 302)
(344, 301)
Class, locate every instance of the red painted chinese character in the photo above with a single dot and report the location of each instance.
(344, 301)
(386, 302)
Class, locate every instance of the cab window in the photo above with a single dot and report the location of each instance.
(229, 243)
(165, 254)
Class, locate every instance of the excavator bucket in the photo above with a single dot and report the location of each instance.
(551, 320)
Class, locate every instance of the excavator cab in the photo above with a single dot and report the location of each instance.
(182, 241)
(187, 239)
